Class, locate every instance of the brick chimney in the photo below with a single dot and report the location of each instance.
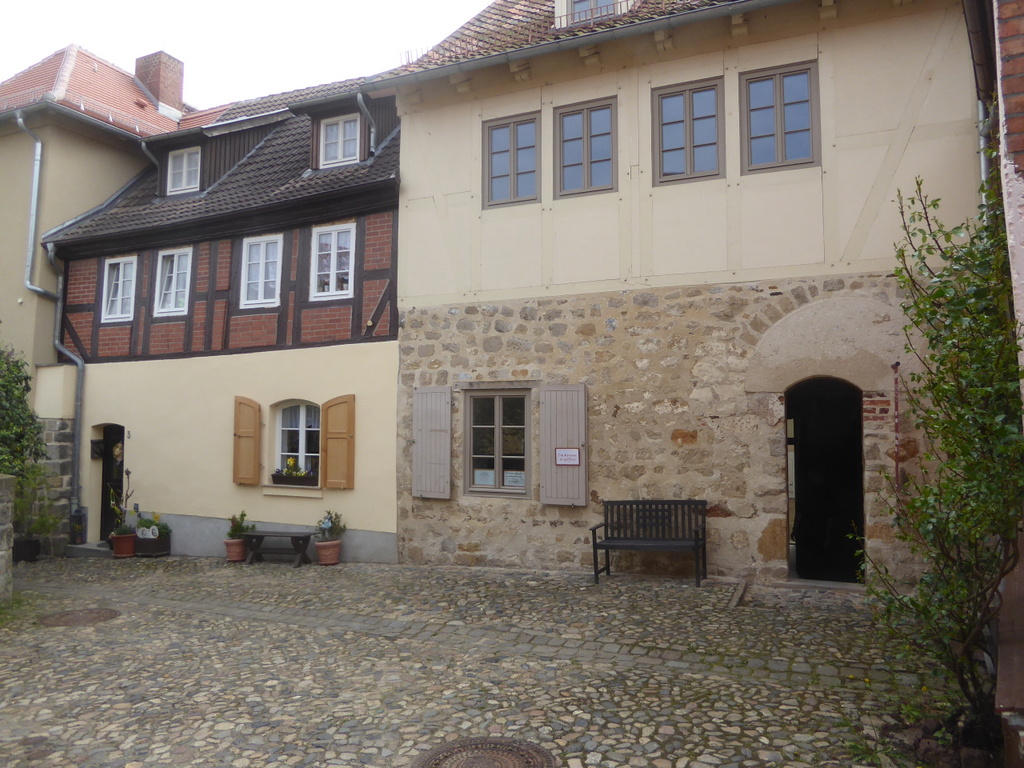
(164, 77)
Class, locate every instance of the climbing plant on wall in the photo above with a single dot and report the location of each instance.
(961, 511)
(21, 441)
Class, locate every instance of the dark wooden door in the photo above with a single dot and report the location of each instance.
(113, 476)
(826, 437)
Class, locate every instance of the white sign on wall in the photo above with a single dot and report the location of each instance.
(567, 457)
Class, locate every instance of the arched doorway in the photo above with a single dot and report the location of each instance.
(825, 436)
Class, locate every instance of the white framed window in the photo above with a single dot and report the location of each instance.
(261, 271)
(339, 140)
(173, 274)
(331, 270)
(119, 289)
(497, 442)
(183, 170)
(299, 439)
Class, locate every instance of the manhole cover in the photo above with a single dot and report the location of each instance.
(78, 618)
(487, 753)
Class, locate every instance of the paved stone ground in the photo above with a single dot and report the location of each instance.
(216, 665)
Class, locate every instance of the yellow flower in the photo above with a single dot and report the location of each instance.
(156, 516)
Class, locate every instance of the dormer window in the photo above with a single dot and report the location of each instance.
(339, 140)
(183, 171)
(569, 12)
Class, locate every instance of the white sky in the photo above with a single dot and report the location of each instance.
(235, 50)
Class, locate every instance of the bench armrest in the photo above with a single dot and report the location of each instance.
(594, 528)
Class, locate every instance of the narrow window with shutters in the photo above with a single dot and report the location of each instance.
(432, 442)
(563, 445)
(246, 464)
(338, 447)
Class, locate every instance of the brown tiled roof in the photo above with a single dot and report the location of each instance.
(511, 25)
(78, 80)
(278, 101)
(275, 173)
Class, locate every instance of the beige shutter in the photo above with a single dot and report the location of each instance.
(338, 442)
(563, 425)
(246, 465)
(432, 442)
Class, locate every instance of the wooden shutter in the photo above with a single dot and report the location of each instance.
(563, 424)
(246, 464)
(432, 442)
(338, 442)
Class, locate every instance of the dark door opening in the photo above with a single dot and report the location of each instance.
(113, 477)
(825, 435)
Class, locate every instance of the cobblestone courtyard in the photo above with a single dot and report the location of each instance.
(216, 665)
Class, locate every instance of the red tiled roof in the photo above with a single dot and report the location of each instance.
(511, 25)
(81, 81)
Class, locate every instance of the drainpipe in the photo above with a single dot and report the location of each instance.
(369, 119)
(986, 121)
(33, 211)
(142, 143)
(76, 424)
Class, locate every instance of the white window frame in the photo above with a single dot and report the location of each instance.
(303, 456)
(315, 293)
(343, 158)
(118, 288)
(180, 263)
(263, 299)
(178, 180)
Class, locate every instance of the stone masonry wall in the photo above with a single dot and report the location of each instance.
(670, 415)
(6, 537)
(58, 436)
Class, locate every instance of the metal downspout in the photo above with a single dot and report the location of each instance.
(369, 119)
(57, 298)
(33, 211)
(76, 425)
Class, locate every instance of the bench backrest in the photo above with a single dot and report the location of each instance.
(655, 519)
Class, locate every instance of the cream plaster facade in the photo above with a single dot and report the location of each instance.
(687, 309)
(178, 421)
(82, 166)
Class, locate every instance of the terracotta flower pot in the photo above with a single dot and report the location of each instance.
(328, 552)
(123, 544)
(235, 550)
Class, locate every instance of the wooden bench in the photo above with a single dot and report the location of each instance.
(659, 525)
(299, 545)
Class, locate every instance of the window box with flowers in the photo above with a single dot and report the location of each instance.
(292, 474)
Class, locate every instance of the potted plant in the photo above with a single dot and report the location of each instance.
(234, 543)
(328, 534)
(293, 474)
(152, 537)
(122, 540)
(47, 525)
(30, 504)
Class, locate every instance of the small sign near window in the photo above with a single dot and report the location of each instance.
(567, 457)
(515, 479)
(483, 477)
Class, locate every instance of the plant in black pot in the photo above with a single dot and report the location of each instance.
(152, 537)
(31, 516)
